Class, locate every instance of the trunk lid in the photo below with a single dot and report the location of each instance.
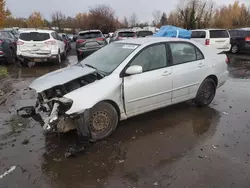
(34, 42)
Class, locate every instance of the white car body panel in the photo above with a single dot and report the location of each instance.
(144, 92)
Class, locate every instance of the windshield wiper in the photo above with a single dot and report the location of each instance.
(101, 73)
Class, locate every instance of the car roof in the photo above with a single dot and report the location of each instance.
(209, 29)
(151, 40)
(37, 30)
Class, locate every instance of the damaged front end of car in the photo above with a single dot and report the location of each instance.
(52, 105)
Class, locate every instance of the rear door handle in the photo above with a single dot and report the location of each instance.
(166, 73)
(200, 65)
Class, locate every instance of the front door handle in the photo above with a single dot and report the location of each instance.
(166, 73)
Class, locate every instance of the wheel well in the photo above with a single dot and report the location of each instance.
(115, 106)
(214, 78)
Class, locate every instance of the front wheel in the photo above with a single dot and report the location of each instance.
(102, 121)
(206, 93)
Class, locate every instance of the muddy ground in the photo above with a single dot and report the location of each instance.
(178, 146)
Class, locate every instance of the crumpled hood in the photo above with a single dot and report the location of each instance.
(59, 77)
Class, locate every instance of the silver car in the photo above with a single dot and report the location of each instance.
(141, 75)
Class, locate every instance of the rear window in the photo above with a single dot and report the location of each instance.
(198, 34)
(126, 34)
(144, 33)
(90, 35)
(239, 33)
(34, 36)
(218, 34)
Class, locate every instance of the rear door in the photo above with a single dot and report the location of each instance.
(34, 42)
(220, 39)
(199, 36)
(189, 70)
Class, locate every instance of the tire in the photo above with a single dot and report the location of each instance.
(59, 58)
(103, 120)
(234, 49)
(11, 58)
(206, 93)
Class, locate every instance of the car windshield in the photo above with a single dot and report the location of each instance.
(126, 34)
(109, 57)
(34, 36)
(90, 35)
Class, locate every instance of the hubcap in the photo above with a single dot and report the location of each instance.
(99, 122)
(207, 92)
(234, 49)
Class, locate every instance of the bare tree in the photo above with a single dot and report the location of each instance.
(125, 22)
(58, 20)
(133, 20)
(156, 17)
(102, 17)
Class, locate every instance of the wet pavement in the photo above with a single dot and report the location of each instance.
(178, 146)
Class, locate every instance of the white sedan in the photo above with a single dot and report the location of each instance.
(139, 76)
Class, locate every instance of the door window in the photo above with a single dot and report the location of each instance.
(151, 58)
(185, 52)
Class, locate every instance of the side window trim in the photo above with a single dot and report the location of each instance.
(122, 74)
(184, 42)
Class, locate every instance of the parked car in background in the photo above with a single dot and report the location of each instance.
(143, 33)
(88, 42)
(13, 31)
(66, 40)
(40, 46)
(141, 75)
(70, 36)
(240, 40)
(122, 35)
(7, 48)
(214, 38)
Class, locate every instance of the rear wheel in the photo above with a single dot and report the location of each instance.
(59, 58)
(206, 93)
(11, 58)
(234, 49)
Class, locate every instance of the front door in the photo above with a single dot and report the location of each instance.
(152, 88)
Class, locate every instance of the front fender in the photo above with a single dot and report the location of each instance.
(108, 88)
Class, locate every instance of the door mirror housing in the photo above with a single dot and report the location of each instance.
(134, 69)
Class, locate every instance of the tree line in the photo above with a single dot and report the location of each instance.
(189, 14)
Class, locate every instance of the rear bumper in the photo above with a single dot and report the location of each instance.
(37, 58)
(222, 78)
(86, 51)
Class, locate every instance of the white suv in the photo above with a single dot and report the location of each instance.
(215, 38)
(40, 46)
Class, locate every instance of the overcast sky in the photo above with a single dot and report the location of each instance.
(143, 8)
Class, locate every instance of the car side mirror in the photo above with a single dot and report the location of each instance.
(134, 69)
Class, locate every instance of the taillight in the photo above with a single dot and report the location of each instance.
(50, 42)
(100, 38)
(227, 60)
(19, 43)
(1, 41)
(79, 41)
(247, 39)
(207, 42)
(119, 37)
